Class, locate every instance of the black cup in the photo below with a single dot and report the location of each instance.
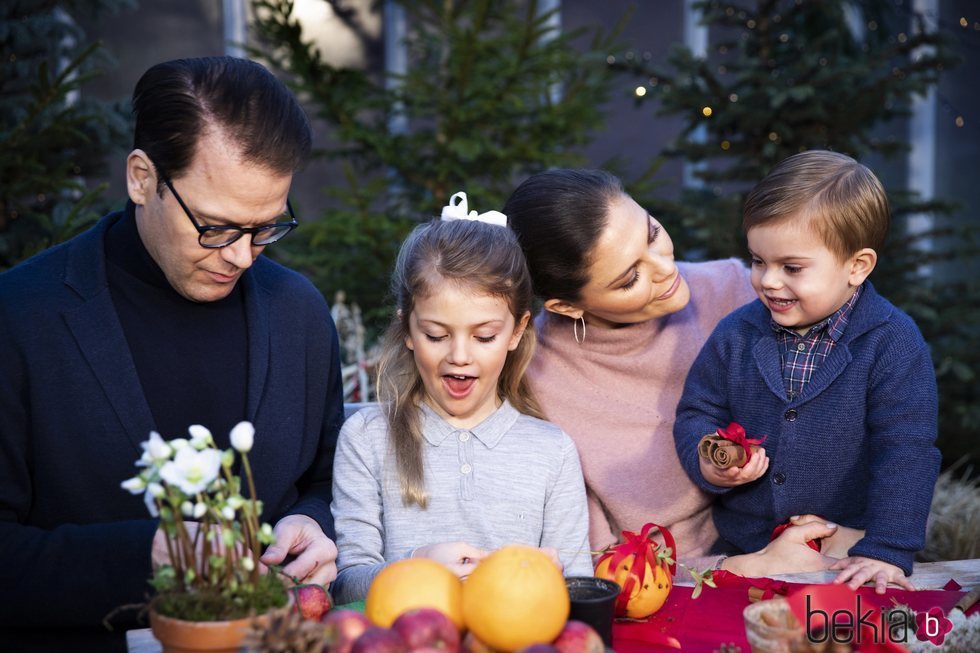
(593, 602)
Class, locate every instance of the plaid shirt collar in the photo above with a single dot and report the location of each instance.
(832, 326)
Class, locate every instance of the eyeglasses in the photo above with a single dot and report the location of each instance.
(218, 236)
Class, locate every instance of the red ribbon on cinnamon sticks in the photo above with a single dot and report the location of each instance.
(735, 433)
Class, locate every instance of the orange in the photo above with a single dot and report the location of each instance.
(413, 583)
(515, 597)
(644, 599)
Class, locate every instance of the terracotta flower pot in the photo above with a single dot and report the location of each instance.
(180, 636)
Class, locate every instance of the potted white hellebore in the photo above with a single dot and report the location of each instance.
(212, 532)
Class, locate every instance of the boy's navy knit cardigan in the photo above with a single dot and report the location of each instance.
(857, 447)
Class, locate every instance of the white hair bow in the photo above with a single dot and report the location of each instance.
(458, 210)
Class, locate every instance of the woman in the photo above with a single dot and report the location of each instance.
(622, 324)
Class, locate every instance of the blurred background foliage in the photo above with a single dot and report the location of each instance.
(53, 140)
(789, 76)
(492, 91)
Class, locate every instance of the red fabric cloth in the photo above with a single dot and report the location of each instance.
(701, 625)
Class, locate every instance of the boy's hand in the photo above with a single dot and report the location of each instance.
(733, 476)
(860, 570)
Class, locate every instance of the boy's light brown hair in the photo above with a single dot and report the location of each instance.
(841, 200)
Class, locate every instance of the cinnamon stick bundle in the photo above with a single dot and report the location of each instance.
(723, 453)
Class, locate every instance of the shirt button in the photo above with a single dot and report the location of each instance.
(801, 347)
(790, 415)
(464, 436)
(466, 469)
(779, 478)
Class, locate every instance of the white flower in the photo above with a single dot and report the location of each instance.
(154, 450)
(242, 436)
(187, 508)
(247, 563)
(228, 513)
(200, 509)
(236, 501)
(200, 436)
(179, 443)
(192, 470)
(134, 485)
(155, 490)
(151, 504)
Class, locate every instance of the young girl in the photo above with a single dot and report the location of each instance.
(455, 462)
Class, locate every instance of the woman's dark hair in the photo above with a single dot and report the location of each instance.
(558, 216)
(177, 102)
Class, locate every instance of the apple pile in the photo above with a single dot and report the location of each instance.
(575, 637)
(427, 630)
(419, 630)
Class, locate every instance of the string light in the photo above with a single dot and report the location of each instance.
(639, 91)
(706, 112)
(725, 145)
(959, 121)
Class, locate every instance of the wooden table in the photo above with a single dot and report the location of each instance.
(925, 576)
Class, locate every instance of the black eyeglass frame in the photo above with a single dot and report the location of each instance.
(203, 230)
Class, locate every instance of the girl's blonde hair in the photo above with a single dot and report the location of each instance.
(480, 257)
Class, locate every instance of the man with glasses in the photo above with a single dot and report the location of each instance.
(161, 316)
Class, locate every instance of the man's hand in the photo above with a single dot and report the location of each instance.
(860, 570)
(733, 476)
(314, 555)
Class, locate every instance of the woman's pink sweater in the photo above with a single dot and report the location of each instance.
(616, 394)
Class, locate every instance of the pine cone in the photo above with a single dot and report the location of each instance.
(287, 632)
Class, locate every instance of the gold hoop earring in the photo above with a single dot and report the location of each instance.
(575, 322)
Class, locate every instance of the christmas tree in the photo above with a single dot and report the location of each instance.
(51, 137)
(491, 92)
(784, 76)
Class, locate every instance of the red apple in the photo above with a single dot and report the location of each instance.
(473, 644)
(341, 628)
(427, 628)
(579, 637)
(379, 640)
(312, 600)
(538, 648)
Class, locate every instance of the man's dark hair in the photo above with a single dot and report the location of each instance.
(177, 102)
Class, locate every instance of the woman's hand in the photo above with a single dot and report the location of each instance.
(733, 476)
(787, 554)
(838, 544)
(460, 557)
